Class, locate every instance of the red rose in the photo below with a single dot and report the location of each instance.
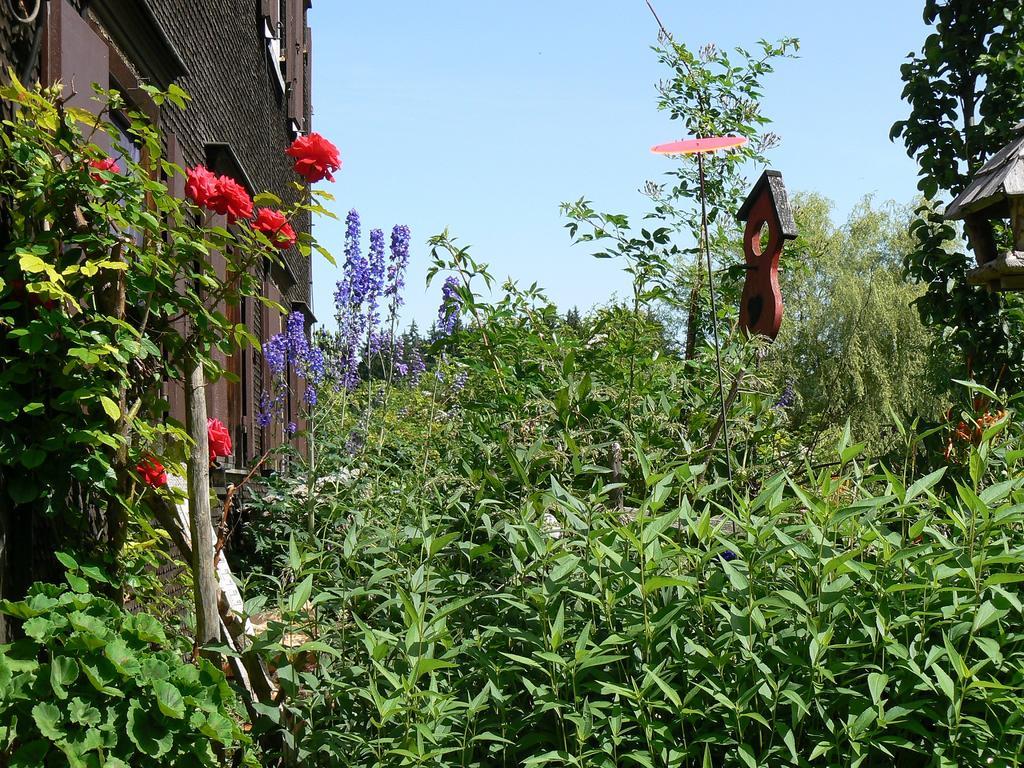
(152, 471)
(315, 157)
(231, 198)
(106, 164)
(275, 226)
(219, 439)
(200, 186)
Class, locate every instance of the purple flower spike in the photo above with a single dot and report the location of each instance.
(451, 305)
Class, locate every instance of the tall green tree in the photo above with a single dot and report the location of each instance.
(852, 346)
(966, 93)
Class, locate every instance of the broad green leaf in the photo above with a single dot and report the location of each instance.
(63, 672)
(47, 718)
(876, 684)
(110, 408)
(169, 699)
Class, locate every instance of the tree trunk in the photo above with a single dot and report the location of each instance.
(200, 517)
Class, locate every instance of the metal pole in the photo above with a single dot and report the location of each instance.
(714, 314)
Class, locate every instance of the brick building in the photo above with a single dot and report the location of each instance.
(246, 65)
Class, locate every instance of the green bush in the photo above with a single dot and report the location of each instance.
(848, 618)
(91, 685)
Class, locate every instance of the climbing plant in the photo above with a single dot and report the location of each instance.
(107, 291)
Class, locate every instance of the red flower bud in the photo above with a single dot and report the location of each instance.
(315, 157)
(275, 226)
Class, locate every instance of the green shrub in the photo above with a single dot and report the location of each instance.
(838, 616)
(91, 685)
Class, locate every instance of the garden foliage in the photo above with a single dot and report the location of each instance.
(487, 583)
(92, 685)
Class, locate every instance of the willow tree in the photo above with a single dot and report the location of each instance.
(852, 344)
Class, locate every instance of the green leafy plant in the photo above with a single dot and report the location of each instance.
(92, 685)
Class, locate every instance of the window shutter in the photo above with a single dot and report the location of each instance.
(78, 57)
(295, 72)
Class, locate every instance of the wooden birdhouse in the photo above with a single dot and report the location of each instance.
(996, 192)
(770, 224)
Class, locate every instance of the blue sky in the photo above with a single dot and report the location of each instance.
(483, 117)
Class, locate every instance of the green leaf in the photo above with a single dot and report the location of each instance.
(169, 699)
(31, 755)
(32, 457)
(301, 595)
(149, 629)
(99, 676)
(218, 727)
(63, 672)
(925, 483)
(146, 733)
(110, 407)
(47, 718)
(294, 561)
(22, 488)
(876, 684)
(121, 657)
(945, 682)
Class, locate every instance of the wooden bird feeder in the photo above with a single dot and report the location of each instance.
(996, 192)
(770, 224)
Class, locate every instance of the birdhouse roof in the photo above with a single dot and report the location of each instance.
(771, 183)
(1001, 177)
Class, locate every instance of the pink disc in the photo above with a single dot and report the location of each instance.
(693, 146)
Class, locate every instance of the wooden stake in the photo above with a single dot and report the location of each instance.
(200, 520)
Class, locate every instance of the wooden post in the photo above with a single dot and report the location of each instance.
(200, 517)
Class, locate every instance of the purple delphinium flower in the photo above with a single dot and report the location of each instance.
(448, 312)
(291, 348)
(295, 330)
(459, 383)
(265, 413)
(374, 289)
(275, 352)
(397, 264)
(787, 397)
(350, 298)
(398, 358)
(416, 364)
(292, 428)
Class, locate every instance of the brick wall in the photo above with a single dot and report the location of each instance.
(234, 99)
